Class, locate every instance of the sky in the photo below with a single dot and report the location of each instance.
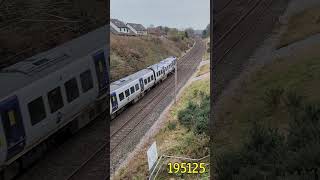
(179, 14)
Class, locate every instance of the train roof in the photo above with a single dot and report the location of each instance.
(126, 80)
(41, 65)
(157, 66)
(168, 59)
(162, 63)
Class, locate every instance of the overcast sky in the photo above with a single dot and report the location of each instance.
(172, 13)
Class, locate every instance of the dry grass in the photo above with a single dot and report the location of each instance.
(131, 54)
(204, 69)
(244, 104)
(301, 26)
(173, 139)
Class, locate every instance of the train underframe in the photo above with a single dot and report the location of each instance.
(88, 115)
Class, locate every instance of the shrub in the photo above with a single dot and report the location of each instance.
(187, 116)
(293, 102)
(272, 98)
(172, 125)
(196, 114)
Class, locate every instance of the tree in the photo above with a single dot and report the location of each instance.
(189, 32)
(206, 32)
(166, 29)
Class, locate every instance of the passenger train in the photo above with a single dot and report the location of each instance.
(61, 89)
(130, 89)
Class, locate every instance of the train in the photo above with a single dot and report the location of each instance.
(62, 89)
(130, 89)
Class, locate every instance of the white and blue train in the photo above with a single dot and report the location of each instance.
(61, 89)
(133, 87)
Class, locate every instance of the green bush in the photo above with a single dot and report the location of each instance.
(267, 154)
(195, 116)
(272, 98)
(172, 125)
(293, 102)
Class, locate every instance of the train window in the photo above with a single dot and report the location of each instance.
(132, 89)
(121, 96)
(86, 81)
(127, 93)
(152, 77)
(55, 99)
(145, 81)
(148, 79)
(137, 87)
(37, 111)
(72, 90)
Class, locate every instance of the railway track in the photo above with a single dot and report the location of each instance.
(248, 31)
(240, 29)
(118, 136)
(185, 67)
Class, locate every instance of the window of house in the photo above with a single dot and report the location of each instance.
(72, 90)
(37, 110)
(55, 99)
(86, 81)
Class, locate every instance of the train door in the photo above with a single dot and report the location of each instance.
(101, 71)
(114, 101)
(141, 84)
(13, 126)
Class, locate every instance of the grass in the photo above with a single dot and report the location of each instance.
(301, 26)
(206, 55)
(131, 54)
(173, 139)
(247, 104)
(204, 69)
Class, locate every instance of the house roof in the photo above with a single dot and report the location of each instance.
(118, 23)
(137, 27)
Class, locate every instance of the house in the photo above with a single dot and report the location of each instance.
(119, 26)
(137, 28)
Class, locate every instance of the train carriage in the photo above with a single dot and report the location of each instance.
(131, 88)
(50, 91)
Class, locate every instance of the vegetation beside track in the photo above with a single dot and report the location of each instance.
(204, 69)
(184, 133)
(206, 57)
(130, 54)
(269, 126)
(301, 26)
